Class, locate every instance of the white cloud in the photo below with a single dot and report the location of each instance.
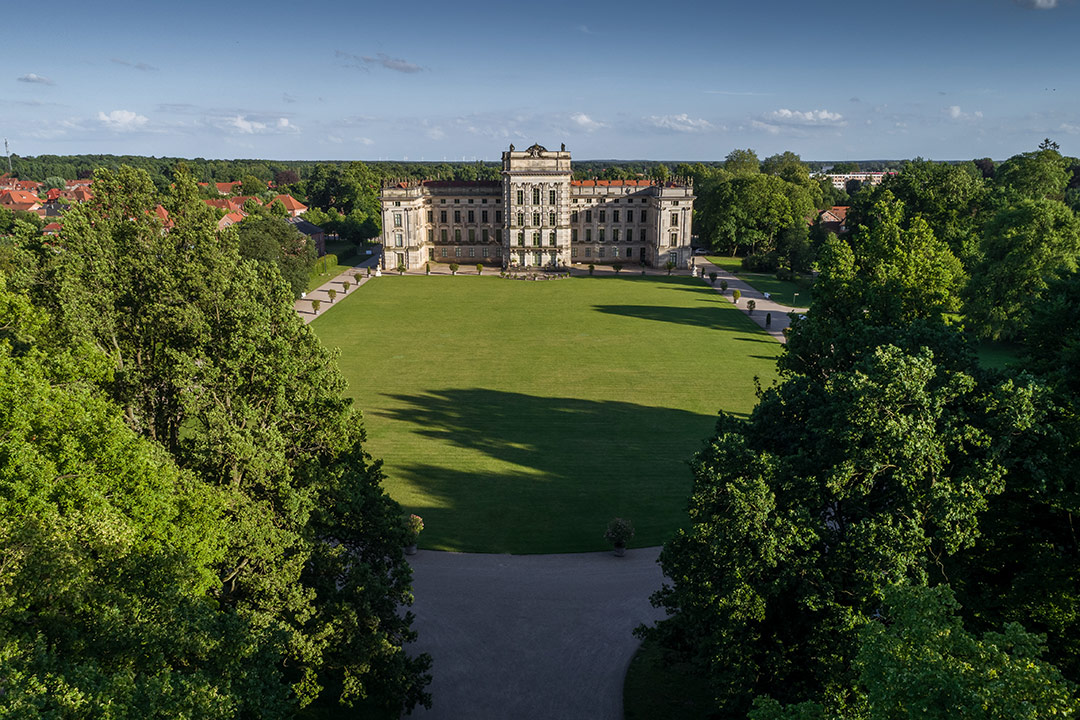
(122, 120)
(784, 116)
(35, 78)
(435, 133)
(245, 126)
(1038, 4)
(286, 125)
(1069, 128)
(585, 122)
(956, 113)
(679, 123)
(365, 141)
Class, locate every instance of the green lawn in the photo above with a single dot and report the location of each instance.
(520, 416)
(782, 291)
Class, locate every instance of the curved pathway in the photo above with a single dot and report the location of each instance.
(780, 319)
(530, 636)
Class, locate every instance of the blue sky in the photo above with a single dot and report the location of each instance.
(836, 79)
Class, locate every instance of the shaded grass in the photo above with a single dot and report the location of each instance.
(997, 355)
(521, 416)
(654, 690)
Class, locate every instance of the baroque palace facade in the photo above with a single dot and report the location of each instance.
(536, 216)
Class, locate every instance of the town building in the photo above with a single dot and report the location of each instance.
(536, 216)
(840, 180)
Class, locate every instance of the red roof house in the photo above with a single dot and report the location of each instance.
(292, 206)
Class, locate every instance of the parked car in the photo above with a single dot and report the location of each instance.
(701, 251)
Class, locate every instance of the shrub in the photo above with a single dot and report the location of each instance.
(712, 279)
(592, 268)
(750, 305)
(479, 268)
(333, 295)
(315, 306)
(454, 268)
(735, 295)
(345, 288)
(427, 268)
(669, 266)
(356, 277)
(723, 286)
(617, 267)
(401, 268)
(619, 531)
(785, 274)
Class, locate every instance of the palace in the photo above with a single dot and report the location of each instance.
(537, 216)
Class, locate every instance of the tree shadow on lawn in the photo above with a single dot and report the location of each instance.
(716, 317)
(551, 471)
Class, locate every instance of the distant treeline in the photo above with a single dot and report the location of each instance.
(71, 167)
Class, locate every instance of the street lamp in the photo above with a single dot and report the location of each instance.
(794, 301)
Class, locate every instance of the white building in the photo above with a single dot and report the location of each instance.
(537, 216)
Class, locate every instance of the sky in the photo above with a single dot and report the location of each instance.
(640, 79)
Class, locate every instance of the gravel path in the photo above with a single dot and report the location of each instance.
(531, 636)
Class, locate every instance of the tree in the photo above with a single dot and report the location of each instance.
(750, 305)
(669, 266)
(479, 268)
(735, 295)
(1034, 175)
(333, 295)
(787, 165)
(251, 185)
(723, 285)
(712, 278)
(1025, 247)
(285, 177)
(54, 182)
(920, 661)
(660, 173)
(315, 305)
(742, 162)
(345, 287)
(272, 240)
(833, 490)
(208, 359)
(454, 267)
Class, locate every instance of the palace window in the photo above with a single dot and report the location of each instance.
(442, 235)
(573, 216)
(472, 252)
(457, 235)
(551, 218)
(573, 234)
(674, 219)
(603, 216)
(588, 234)
(444, 252)
(536, 219)
(536, 196)
(483, 216)
(600, 252)
(443, 201)
(615, 216)
(536, 239)
(484, 235)
(472, 235)
(520, 197)
(551, 238)
(472, 216)
(457, 201)
(521, 219)
(431, 216)
(431, 235)
(629, 235)
(521, 238)
(601, 238)
(629, 216)
(588, 252)
(471, 201)
(674, 239)
(615, 235)
(483, 201)
(457, 216)
(431, 253)
(397, 203)
(573, 252)
(457, 252)
(551, 197)
(498, 235)
(588, 216)
(498, 216)
(397, 219)
(629, 252)
(398, 240)
(644, 216)
(442, 216)
(614, 252)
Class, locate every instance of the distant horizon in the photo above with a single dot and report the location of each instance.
(840, 79)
